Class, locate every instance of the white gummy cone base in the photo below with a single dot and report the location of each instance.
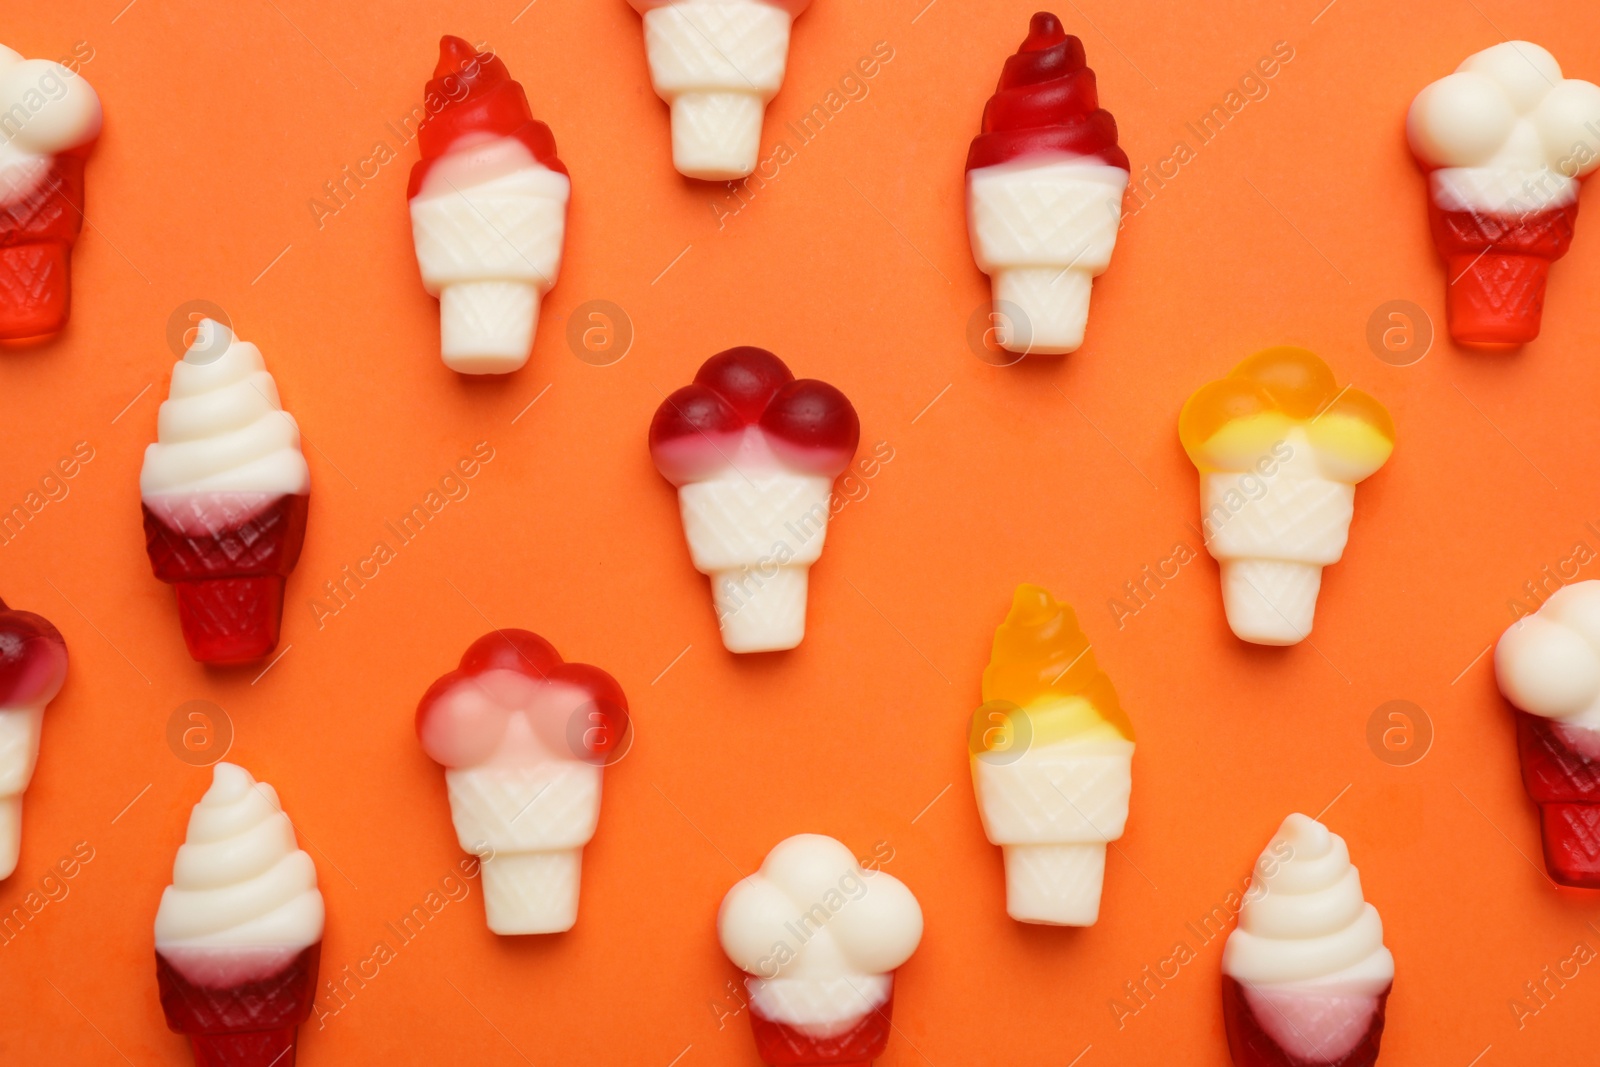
(761, 611)
(1048, 308)
(1055, 884)
(1270, 601)
(10, 834)
(532, 892)
(716, 136)
(487, 327)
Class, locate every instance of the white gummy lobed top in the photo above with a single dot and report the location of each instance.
(1548, 663)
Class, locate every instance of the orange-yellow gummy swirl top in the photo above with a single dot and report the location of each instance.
(1043, 669)
(1231, 423)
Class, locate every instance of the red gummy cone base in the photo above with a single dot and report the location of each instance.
(36, 236)
(230, 583)
(1566, 786)
(251, 1024)
(781, 1045)
(1498, 265)
(1252, 1046)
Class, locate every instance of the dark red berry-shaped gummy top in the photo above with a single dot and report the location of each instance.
(808, 424)
(33, 659)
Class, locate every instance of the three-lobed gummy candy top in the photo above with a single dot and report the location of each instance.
(1232, 423)
(805, 425)
(566, 710)
(1042, 684)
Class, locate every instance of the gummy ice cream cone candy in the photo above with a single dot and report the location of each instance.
(1280, 448)
(1305, 976)
(1052, 762)
(717, 63)
(49, 120)
(239, 930)
(523, 737)
(488, 210)
(225, 491)
(33, 665)
(1505, 140)
(754, 453)
(1044, 190)
(819, 938)
(1548, 666)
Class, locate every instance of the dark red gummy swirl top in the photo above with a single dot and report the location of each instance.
(462, 733)
(479, 96)
(1046, 103)
(808, 424)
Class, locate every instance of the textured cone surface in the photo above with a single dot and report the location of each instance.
(1064, 799)
(737, 522)
(282, 1000)
(1303, 520)
(1251, 1046)
(1046, 220)
(482, 235)
(518, 811)
(737, 45)
(1498, 265)
(230, 584)
(781, 1045)
(36, 236)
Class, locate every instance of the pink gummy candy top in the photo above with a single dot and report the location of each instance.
(572, 708)
(33, 659)
(793, 7)
(480, 97)
(808, 425)
(1046, 103)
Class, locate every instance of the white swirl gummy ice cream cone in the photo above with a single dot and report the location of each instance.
(1306, 976)
(488, 211)
(717, 63)
(524, 737)
(239, 931)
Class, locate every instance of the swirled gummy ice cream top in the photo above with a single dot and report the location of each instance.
(1508, 130)
(1304, 920)
(483, 129)
(1042, 670)
(223, 428)
(745, 410)
(1286, 395)
(1046, 106)
(240, 881)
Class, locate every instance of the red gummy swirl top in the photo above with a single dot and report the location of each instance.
(478, 95)
(33, 659)
(1046, 103)
(574, 709)
(698, 430)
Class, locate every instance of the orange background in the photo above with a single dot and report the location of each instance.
(1292, 226)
